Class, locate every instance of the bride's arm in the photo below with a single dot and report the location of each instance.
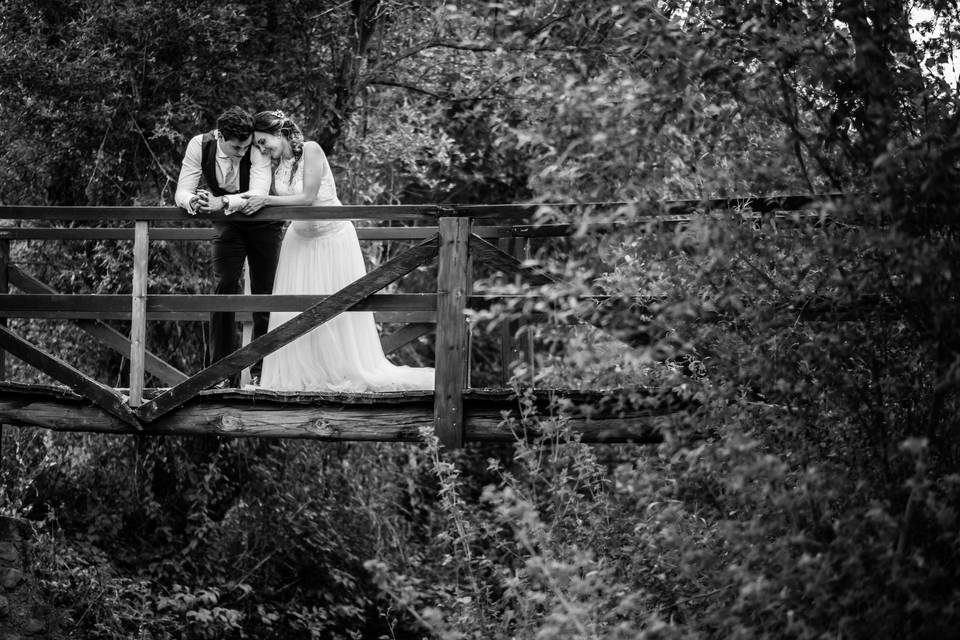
(315, 168)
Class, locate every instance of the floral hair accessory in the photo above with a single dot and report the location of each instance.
(279, 114)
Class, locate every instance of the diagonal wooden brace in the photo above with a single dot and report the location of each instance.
(97, 393)
(406, 335)
(314, 316)
(489, 255)
(163, 371)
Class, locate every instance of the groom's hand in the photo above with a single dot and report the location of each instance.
(210, 203)
(203, 201)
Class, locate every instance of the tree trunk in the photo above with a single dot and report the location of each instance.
(334, 118)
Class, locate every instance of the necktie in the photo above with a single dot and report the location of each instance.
(230, 180)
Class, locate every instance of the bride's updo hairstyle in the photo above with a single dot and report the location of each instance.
(278, 124)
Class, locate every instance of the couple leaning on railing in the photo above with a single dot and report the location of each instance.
(247, 163)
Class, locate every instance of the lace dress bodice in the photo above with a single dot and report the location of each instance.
(284, 185)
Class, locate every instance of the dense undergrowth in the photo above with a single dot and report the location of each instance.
(813, 491)
(752, 532)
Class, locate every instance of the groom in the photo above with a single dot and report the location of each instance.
(227, 163)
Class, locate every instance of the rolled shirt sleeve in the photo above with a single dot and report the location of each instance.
(190, 173)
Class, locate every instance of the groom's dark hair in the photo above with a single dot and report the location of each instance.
(235, 124)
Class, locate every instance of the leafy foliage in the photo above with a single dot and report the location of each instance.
(814, 493)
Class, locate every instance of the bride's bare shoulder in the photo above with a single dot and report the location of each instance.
(312, 147)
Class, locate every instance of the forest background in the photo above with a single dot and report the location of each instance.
(813, 492)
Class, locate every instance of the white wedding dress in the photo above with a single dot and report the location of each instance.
(344, 353)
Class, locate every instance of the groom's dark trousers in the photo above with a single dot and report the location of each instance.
(258, 242)
(235, 239)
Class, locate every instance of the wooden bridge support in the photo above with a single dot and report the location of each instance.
(331, 306)
(98, 330)
(383, 417)
(460, 238)
(453, 283)
(514, 346)
(138, 312)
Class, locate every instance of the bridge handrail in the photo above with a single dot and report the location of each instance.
(431, 212)
(206, 233)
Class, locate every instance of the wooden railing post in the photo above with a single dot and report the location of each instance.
(246, 326)
(507, 344)
(453, 283)
(138, 317)
(513, 349)
(526, 339)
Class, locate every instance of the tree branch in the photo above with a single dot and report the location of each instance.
(146, 143)
(409, 87)
(463, 46)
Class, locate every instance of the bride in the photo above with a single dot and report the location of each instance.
(320, 257)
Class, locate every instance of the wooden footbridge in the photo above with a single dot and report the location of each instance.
(463, 239)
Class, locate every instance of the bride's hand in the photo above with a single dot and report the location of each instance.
(252, 204)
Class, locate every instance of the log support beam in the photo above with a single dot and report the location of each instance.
(387, 417)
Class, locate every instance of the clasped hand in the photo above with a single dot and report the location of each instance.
(206, 202)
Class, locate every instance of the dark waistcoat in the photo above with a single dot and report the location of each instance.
(208, 163)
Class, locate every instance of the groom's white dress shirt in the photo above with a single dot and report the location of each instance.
(191, 172)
